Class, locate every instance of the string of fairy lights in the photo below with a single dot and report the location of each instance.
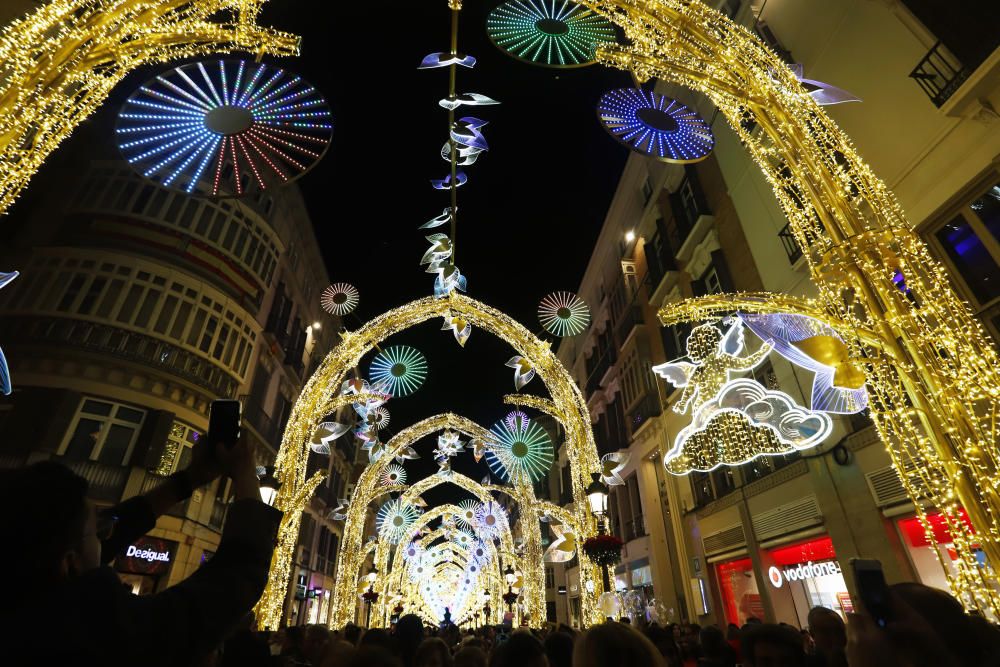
(931, 378)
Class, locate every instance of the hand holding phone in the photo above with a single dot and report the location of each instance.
(224, 422)
(872, 589)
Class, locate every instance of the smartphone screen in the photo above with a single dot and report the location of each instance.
(224, 422)
(872, 589)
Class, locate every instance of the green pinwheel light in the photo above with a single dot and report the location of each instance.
(550, 33)
(400, 369)
(522, 451)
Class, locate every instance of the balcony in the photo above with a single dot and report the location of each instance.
(598, 366)
(939, 74)
(648, 407)
(635, 528)
(254, 415)
(120, 343)
(791, 246)
(629, 320)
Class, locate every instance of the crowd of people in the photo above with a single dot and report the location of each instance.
(63, 604)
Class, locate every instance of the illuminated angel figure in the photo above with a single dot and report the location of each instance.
(715, 356)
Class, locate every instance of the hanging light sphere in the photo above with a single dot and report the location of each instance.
(655, 125)
(564, 314)
(401, 369)
(551, 33)
(220, 126)
(339, 299)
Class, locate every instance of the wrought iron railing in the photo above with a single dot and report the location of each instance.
(939, 74)
(792, 248)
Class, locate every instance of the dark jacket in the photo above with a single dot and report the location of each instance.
(96, 620)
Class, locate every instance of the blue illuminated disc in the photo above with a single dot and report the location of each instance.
(223, 127)
(551, 33)
(655, 125)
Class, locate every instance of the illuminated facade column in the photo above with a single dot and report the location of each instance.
(932, 375)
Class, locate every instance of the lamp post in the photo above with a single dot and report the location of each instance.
(370, 595)
(510, 597)
(597, 495)
(486, 607)
(269, 486)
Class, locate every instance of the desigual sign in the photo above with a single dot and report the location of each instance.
(147, 555)
(808, 570)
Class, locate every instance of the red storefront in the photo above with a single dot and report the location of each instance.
(922, 553)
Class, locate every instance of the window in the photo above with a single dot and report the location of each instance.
(971, 244)
(550, 577)
(647, 190)
(177, 450)
(710, 281)
(102, 431)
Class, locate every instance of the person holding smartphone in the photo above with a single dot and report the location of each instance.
(64, 601)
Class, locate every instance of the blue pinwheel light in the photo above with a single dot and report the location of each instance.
(401, 369)
(551, 33)
(5, 385)
(209, 125)
(655, 125)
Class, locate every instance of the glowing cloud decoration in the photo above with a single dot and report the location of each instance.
(216, 121)
(655, 126)
(745, 421)
(564, 314)
(551, 33)
(403, 369)
(522, 451)
(838, 383)
(523, 371)
(339, 299)
(393, 475)
(5, 384)
(394, 520)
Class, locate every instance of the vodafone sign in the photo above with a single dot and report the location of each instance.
(807, 570)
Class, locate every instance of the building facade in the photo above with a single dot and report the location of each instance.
(772, 538)
(136, 307)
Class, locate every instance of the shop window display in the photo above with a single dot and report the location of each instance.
(738, 586)
(807, 575)
(930, 568)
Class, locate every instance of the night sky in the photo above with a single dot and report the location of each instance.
(528, 217)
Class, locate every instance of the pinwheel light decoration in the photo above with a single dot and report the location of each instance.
(339, 299)
(393, 475)
(463, 538)
(467, 513)
(522, 451)
(402, 368)
(564, 314)
(5, 384)
(223, 120)
(394, 520)
(326, 433)
(551, 33)
(655, 125)
(491, 519)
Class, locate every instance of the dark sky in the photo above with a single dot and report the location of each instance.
(528, 217)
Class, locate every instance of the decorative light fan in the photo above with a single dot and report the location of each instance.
(522, 451)
(217, 126)
(339, 299)
(551, 33)
(400, 368)
(655, 125)
(564, 314)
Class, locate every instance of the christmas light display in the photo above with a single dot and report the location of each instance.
(611, 465)
(221, 120)
(403, 369)
(5, 384)
(563, 547)
(376, 418)
(823, 93)
(491, 520)
(393, 475)
(655, 125)
(564, 314)
(523, 370)
(394, 520)
(458, 326)
(339, 299)
(552, 33)
(467, 513)
(521, 450)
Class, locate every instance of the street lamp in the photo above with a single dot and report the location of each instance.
(370, 595)
(597, 495)
(510, 597)
(486, 607)
(269, 486)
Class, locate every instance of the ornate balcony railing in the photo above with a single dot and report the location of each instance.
(939, 74)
